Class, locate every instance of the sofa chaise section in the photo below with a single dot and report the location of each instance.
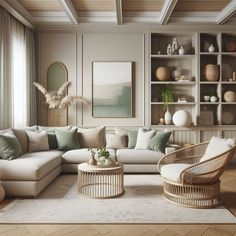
(29, 174)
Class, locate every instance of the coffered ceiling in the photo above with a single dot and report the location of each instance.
(69, 12)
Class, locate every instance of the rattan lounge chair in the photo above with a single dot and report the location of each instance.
(196, 183)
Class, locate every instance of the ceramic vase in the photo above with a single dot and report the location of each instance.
(169, 50)
(2, 193)
(211, 48)
(181, 118)
(167, 117)
(162, 73)
(181, 51)
(213, 99)
(174, 46)
(92, 161)
(211, 72)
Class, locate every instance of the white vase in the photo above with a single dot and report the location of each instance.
(181, 51)
(167, 117)
(2, 193)
(213, 99)
(211, 48)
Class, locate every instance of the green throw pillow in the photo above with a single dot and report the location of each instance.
(9, 147)
(159, 141)
(132, 136)
(67, 139)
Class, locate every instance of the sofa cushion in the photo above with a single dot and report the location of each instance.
(115, 141)
(159, 141)
(134, 156)
(172, 171)
(143, 138)
(80, 155)
(30, 166)
(217, 146)
(38, 141)
(22, 138)
(92, 138)
(10, 147)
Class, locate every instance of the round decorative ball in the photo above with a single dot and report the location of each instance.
(182, 118)
(2, 193)
(162, 73)
(230, 96)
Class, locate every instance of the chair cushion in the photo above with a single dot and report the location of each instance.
(30, 166)
(134, 156)
(172, 171)
(80, 155)
(217, 146)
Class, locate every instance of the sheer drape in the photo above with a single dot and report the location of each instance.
(17, 72)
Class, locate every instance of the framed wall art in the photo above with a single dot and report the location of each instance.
(112, 89)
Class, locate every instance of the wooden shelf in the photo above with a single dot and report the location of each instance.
(208, 82)
(209, 103)
(174, 82)
(209, 53)
(165, 56)
(175, 103)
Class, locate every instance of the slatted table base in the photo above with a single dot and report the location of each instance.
(101, 183)
(194, 196)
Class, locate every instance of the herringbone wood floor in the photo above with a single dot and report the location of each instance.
(228, 193)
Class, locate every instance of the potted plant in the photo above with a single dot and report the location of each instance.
(104, 156)
(167, 96)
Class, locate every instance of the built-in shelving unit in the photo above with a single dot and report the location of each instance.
(220, 116)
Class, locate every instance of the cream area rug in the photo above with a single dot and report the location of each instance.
(142, 202)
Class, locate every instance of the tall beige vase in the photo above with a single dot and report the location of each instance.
(212, 72)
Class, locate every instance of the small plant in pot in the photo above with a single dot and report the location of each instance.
(167, 96)
(104, 157)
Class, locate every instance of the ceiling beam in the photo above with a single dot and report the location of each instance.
(226, 13)
(70, 10)
(167, 10)
(19, 12)
(118, 7)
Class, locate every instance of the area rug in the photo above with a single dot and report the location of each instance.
(142, 202)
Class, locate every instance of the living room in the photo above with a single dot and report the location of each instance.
(117, 117)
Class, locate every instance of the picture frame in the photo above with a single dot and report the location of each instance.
(112, 89)
(206, 118)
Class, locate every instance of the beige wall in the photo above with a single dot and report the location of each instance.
(77, 52)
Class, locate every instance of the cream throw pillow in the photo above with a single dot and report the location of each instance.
(38, 141)
(92, 138)
(217, 146)
(115, 141)
(143, 138)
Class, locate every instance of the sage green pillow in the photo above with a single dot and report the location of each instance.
(159, 141)
(67, 139)
(9, 147)
(132, 137)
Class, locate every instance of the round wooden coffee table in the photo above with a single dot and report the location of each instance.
(100, 182)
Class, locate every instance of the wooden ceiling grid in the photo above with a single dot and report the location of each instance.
(200, 5)
(41, 5)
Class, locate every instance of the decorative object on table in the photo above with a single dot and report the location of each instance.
(213, 99)
(212, 72)
(2, 192)
(58, 99)
(230, 46)
(161, 121)
(169, 49)
(184, 78)
(176, 74)
(230, 96)
(207, 98)
(227, 118)
(168, 96)
(206, 118)
(211, 48)
(182, 118)
(234, 76)
(112, 87)
(181, 50)
(104, 157)
(162, 73)
(92, 161)
(174, 46)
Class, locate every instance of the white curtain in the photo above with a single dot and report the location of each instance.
(17, 66)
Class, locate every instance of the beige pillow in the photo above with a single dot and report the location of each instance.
(38, 141)
(22, 138)
(143, 138)
(116, 141)
(92, 138)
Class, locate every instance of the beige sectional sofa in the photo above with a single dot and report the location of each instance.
(29, 174)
